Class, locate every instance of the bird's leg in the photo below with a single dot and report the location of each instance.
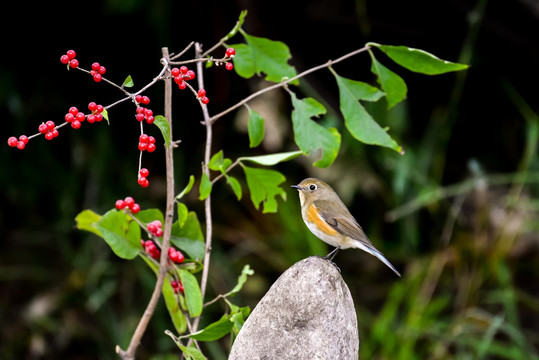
(332, 254)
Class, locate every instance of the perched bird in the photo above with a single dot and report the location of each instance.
(329, 219)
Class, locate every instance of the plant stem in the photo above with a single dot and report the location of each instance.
(129, 354)
(206, 170)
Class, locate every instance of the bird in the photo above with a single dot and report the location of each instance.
(328, 218)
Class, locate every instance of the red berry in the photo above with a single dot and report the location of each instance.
(139, 117)
(43, 128)
(182, 85)
(49, 135)
(99, 108)
(69, 117)
(95, 66)
(98, 77)
(54, 132)
(178, 80)
(143, 138)
(98, 117)
(50, 125)
(80, 117)
(184, 69)
(150, 120)
(73, 110)
(151, 139)
(71, 54)
(205, 100)
(229, 66)
(138, 98)
(144, 172)
(135, 208)
(21, 145)
(201, 93)
(74, 63)
(152, 227)
(12, 141)
(190, 75)
(148, 112)
(145, 100)
(129, 201)
(230, 52)
(102, 70)
(120, 204)
(142, 146)
(76, 124)
(91, 118)
(24, 139)
(144, 182)
(64, 59)
(175, 72)
(92, 106)
(151, 148)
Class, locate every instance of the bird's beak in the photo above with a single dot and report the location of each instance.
(297, 187)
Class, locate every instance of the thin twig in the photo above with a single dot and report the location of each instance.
(287, 81)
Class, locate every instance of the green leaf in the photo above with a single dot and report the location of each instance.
(255, 128)
(193, 297)
(246, 271)
(357, 120)
(261, 55)
(121, 233)
(105, 114)
(149, 215)
(192, 353)
(309, 135)
(235, 185)
(272, 159)
(205, 187)
(264, 186)
(162, 123)
(392, 84)
(85, 221)
(214, 331)
(418, 60)
(128, 82)
(216, 160)
(187, 188)
(186, 233)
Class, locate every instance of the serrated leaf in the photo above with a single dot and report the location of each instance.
(311, 136)
(255, 128)
(357, 120)
(128, 82)
(85, 221)
(392, 84)
(162, 123)
(260, 55)
(214, 331)
(272, 159)
(187, 188)
(235, 185)
(193, 297)
(121, 233)
(418, 60)
(264, 187)
(205, 187)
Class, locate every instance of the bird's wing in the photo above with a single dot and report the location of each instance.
(339, 218)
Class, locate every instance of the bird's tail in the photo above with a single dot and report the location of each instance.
(373, 251)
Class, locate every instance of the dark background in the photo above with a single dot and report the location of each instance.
(65, 295)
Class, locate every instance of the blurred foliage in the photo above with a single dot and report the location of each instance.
(458, 213)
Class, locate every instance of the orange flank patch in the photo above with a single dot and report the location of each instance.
(314, 217)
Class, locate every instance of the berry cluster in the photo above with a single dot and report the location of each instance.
(128, 203)
(143, 113)
(19, 143)
(69, 59)
(230, 52)
(177, 286)
(97, 71)
(151, 249)
(146, 143)
(181, 75)
(175, 255)
(48, 129)
(201, 95)
(96, 114)
(155, 228)
(143, 177)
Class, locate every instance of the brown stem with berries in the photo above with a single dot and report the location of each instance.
(129, 354)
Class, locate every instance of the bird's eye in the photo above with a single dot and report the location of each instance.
(312, 187)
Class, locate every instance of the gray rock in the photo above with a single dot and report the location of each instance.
(308, 313)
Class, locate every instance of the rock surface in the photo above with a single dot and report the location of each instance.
(308, 313)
